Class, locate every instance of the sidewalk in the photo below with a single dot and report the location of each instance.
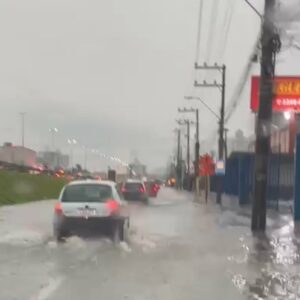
(231, 209)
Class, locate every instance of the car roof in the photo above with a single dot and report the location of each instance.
(92, 181)
(133, 181)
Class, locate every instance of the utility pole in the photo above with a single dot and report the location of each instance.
(22, 114)
(197, 144)
(197, 122)
(270, 46)
(187, 123)
(188, 148)
(178, 168)
(221, 87)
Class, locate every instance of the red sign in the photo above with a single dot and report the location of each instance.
(286, 90)
(207, 166)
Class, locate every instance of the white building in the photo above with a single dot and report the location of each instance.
(18, 155)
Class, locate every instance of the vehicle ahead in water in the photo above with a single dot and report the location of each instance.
(134, 190)
(90, 205)
(152, 188)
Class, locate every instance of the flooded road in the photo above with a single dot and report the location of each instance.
(176, 249)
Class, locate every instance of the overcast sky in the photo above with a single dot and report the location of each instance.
(112, 73)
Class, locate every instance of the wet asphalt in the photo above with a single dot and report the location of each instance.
(176, 249)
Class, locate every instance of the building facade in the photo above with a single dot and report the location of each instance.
(18, 155)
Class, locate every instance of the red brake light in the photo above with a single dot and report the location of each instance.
(112, 205)
(142, 189)
(58, 209)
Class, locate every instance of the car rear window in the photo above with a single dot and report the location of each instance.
(133, 186)
(87, 193)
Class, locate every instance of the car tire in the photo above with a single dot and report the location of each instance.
(119, 230)
(60, 235)
(124, 230)
(115, 231)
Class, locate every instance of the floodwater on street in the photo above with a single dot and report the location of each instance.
(176, 249)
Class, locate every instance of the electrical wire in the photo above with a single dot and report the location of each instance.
(236, 98)
(212, 28)
(227, 27)
(224, 26)
(199, 31)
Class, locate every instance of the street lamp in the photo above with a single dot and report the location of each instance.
(199, 99)
(22, 114)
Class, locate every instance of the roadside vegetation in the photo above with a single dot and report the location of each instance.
(16, 187)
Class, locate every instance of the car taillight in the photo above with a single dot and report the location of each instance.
(58, 209)
(142, 189)
(112, 205)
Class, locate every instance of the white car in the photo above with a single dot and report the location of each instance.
(90, 204)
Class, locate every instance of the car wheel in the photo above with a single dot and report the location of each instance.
(60, 235)
(124, 230)
(120, 230)
(115, 231)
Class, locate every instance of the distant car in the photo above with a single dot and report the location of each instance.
(90, 204)
(134, 190)
(152, 188)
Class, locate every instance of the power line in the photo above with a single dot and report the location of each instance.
(227, 27)
(212, 27)
(199, 31)
(236, 98)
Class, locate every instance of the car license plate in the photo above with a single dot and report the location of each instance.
(86, 213)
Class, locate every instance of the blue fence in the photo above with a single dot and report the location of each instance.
(238, 180)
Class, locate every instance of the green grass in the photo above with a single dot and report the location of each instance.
(18, 188)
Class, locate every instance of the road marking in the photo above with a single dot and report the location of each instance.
(48, 289)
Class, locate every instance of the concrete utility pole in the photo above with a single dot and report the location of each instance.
(197, 144)
(187, 123)
(270, 46)
(178, 167)
(221, 87)
(188, 148)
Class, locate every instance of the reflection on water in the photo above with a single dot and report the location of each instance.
(271, 265)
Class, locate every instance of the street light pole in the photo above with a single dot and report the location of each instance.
(23, 128)
(53, 131)
(71, 142)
